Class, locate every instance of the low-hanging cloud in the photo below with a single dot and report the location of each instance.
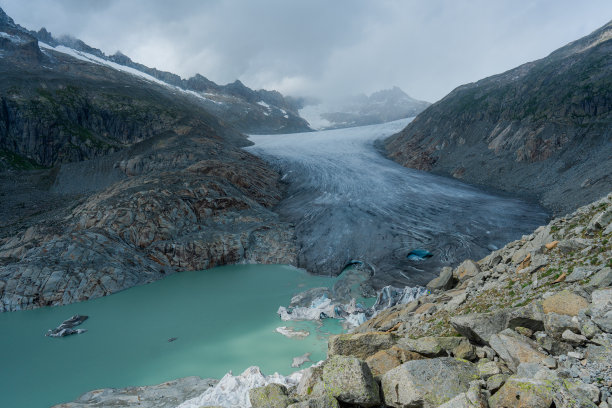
(322, 48)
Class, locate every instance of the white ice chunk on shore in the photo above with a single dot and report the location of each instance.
(233, 391)
(322, 307)
(292, 333)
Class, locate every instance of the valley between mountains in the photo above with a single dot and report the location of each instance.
(471, 236)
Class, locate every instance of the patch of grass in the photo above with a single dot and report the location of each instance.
(17, 161)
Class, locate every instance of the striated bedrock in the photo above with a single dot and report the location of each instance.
(543, 129)
(173, 203)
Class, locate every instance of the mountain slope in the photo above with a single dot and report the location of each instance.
(543, 129)
(114, 180)
(245, 109)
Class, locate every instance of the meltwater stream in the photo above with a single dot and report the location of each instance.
(223, 319)
(348, 202)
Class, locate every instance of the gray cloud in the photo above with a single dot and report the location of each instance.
(323, 48)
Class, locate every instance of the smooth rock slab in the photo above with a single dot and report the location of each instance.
(349, 380)
(427, 383)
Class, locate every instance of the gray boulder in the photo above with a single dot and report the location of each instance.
(445, 281)
(320, 402)
(349, 380)
(479, 327)
(427, 383)
(523, 393)
(270, 396)
(430, 346)
(515, 349)
(467, 269)
(360, 345)
(601, 279)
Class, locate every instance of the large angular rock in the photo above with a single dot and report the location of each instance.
(385, 360)
(600, 220)
(555, 324)
(349, 380)
(430, 346)
(601, 309)
(311, 383)
(360, 345)
(601, 279)
(467, 269)
(523, 393)
(427, 383)
(515, 349)
(573, 244)
(473, 398)
(479, 327)
(564, 303)
(270, 396)
(444, 281)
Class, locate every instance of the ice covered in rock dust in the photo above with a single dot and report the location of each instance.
(349, 202)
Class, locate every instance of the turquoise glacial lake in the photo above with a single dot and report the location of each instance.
(223, 318)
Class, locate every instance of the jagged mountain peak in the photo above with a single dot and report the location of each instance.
(6, 20)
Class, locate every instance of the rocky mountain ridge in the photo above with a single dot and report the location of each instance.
(245, 109)
(541, 130)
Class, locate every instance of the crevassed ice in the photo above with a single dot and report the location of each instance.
(233, 391)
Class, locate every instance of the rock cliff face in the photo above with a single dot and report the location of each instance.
(542, 129)
(114, 181)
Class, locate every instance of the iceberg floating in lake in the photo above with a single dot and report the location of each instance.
(66, 328)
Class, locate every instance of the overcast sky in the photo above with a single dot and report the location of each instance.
(323, 48)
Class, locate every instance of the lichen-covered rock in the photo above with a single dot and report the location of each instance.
(320, 402)
(269, 396)
(473, 398)
(427, 383)
(495, 382)
(311, 383)
(360, 345)
(488, 369)
(385, 360)
(465, 351)
(523, 393)
(349, 380)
